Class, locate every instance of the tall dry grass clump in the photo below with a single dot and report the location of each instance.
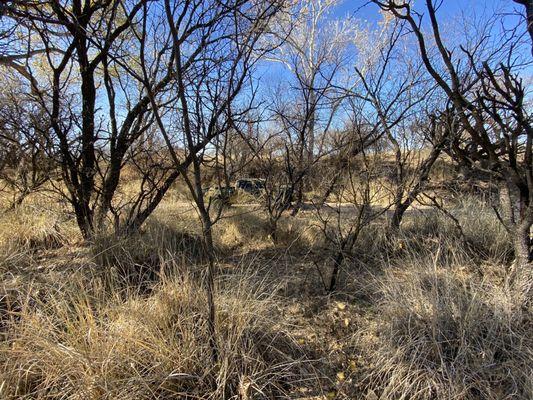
(140, 255)
(475, 236)
(238, 229)
(27, 230)
(445, 335)
(96, 343)
(250, 230)
(485, 234)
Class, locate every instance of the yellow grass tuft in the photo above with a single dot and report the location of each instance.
(92, 343)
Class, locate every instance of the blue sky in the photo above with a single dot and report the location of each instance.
(361, 8)
(451, 12)
(479, 10)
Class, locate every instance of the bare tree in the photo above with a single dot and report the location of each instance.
(394, 85)
(74, 39)
(413, 164)
(357, 193)
(482, 80)
(316, 54)
(528, 5)
(275, 167)
(81, 61)
(26, 158)
(213, 48)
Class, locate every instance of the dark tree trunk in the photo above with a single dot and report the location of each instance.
(88, 158)
(337, 263)
(210, 284)
(18, 200)
(136, 222)
(299, 199)
(397, 215)
(84, 219)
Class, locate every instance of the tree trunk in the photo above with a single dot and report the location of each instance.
(273, 229)
(346, 247)
(18, 200)
(299, 200)
(422, 179)
(337, 263)
(87, 168)
(210, 284)
(521, 274)
(311, 128)
(84, 219)
(136, 222)
(518, 218)
(397, 216)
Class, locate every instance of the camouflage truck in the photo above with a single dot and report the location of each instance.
(252, 186)
(252, 189)
(222, 194)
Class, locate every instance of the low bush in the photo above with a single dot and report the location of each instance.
(443, 335)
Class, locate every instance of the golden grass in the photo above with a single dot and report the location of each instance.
(95, 342)
(126, 317)
(442, 334)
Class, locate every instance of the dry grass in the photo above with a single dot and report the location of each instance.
(242, 230)
(26, 231)
(29, 230)
(440, 324)
(424, 314)
(443, 334)
(96, 343)
(139, 257)
(129, 320)
(484, 241)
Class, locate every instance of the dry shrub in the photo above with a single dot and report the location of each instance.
(139, 255)
(481, 236)
(31, 230)
(27, 230)
(88, 343)
(442, 335)
(242, 228)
